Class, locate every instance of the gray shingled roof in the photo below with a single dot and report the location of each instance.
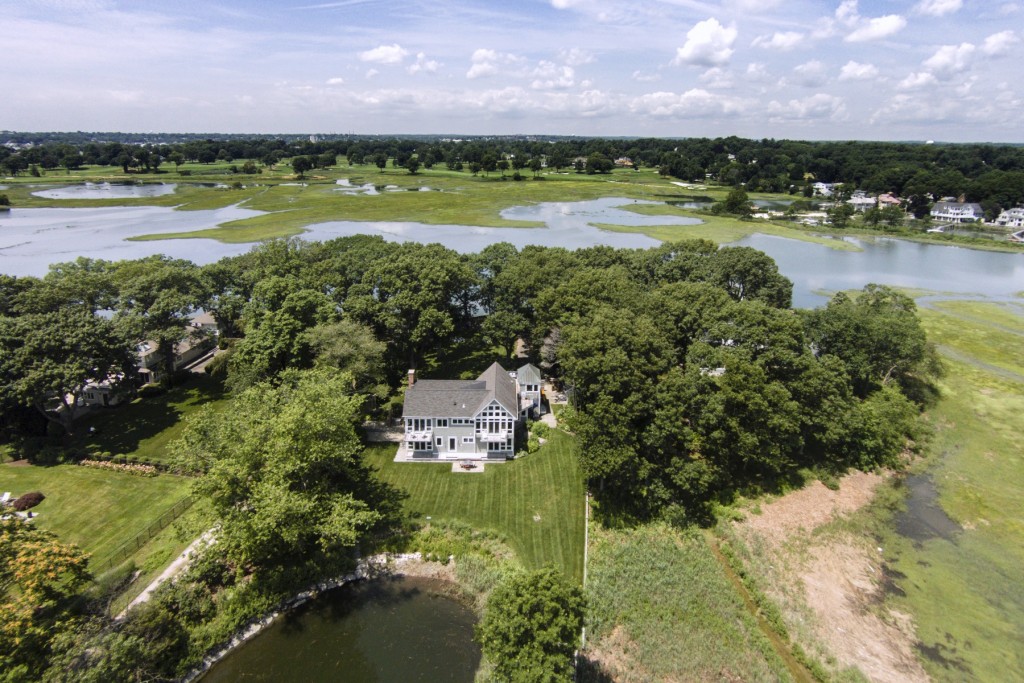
(461, 398)
(528, 374)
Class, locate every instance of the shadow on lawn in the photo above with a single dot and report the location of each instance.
(121, 430)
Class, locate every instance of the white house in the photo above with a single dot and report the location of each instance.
(200, 338)
(1011, 218)
(860, 201)
(957, 212)
(461, 419)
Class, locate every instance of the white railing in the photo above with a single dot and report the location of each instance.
(492, 437)
(424, 435)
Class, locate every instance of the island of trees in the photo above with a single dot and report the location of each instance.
(692, 380)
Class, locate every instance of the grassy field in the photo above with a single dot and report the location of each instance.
(964, 593)
(662, 609)
(96, 509)
(535, 503)
(142, 429)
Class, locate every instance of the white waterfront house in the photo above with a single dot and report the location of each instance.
(957, 212)
(1011, 218)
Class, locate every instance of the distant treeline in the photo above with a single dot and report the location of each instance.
(990, 174)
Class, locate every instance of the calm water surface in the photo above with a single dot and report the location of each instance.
(31, 239)
(385, 630)
(107, 191)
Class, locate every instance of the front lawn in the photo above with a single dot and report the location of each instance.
(536, 503)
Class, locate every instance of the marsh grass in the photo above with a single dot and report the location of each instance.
(964, 593)
(661, 608)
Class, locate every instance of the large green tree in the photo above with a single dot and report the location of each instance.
(47, 360)
(282, 469)
(531, 627)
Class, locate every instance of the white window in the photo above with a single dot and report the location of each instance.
(442, 422)
(467, 439)
(439, 440)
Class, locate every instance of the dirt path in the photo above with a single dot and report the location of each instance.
(179, 565)
(829, 586)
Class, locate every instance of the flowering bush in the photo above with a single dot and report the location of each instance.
(130, 467)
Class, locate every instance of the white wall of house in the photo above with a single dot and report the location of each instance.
(490, 431)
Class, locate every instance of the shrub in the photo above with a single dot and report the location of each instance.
(150, 390)
(28, 500)
(540, 429)
(533, 445)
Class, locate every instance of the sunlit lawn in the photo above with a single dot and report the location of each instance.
(98, 510)
(536, 503)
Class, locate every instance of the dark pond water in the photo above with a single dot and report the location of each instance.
(923, 518)
(386, 630)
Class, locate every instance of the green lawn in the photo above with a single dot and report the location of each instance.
(96, 509)
(143, 428)
(536, 503)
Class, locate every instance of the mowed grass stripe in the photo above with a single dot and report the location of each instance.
(503, 499)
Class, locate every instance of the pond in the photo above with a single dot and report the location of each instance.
(402, 629)
(107, 191)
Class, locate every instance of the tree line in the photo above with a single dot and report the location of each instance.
(990, 174)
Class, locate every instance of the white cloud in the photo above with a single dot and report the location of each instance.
(384, 54)
(335, 81)
(423, 64)
(950, 60)
(917, 80)
(483, 55)
(708, 43)
(878, 27)
(999, 43)
(757, 71)
(780, 40)
(486, 62)
(645, 77)
(818, 106)
(370, 73)
(551, 76)
(692, 103)
(717, 78)
(847, 13)
(576, 57)
(810, 74)
(855, 71)
(938, 8)
(481, 70)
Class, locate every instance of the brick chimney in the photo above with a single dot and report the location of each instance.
(412, 377)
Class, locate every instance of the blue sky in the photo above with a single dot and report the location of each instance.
(807, 69)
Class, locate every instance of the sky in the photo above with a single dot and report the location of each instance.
(944, 70)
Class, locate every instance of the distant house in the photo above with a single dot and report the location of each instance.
(107, 393)
(823, 189)
(624, 162)
(860, 201)
(888, 199)
(461, 419)
(200, 338)
(957, 212)
(1011, 218)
